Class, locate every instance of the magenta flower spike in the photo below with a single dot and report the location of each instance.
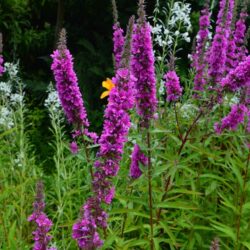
(238, 77)
(173, 88)
(67, 84)
(137, 157)
(233, 119)
(218, 52)
(118, 40)
(142, 67)
(199, 60)
(44, 224)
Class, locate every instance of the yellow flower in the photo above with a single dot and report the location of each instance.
(108, 84)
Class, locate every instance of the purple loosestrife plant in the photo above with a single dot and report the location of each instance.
(137, 157)
(173, 88)
(142, 66)
(67, 86)
(233, 119)
(199, 62)
(112, 140)
(43, 223)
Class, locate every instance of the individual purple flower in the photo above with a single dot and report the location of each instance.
(118, 40)
(142, 66)
(137, 157)
(199, 62)
(66, 84)
(74, 147)
(238, 77)
(217, 54)
(173, 88)
(233, 119)
(44, 224)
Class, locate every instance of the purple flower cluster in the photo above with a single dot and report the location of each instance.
(137, 157)
(142, 66)
(43, 223)
(239, 36)
(218, 52)
(199, 62)
(173, 88)
(233, 119)
(114, 135)
(238, 77)
(236, 50)
(67, 86)
(118, 40)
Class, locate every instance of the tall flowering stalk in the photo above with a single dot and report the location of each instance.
(199, 59)
(67, 85)
(112, 140)
(142, 66)
(218, 51)
(118, 38)
(1, 56)
(44, 224)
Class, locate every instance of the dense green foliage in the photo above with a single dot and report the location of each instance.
(201, 186)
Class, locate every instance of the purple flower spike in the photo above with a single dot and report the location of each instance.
(118, 40)
(233, 119)
(218, 52)
(66, 84)
(142, 66)
(199, 60)
(137, 157)
(238, 77)
(173, 88)
(112, 140)
(43, 223)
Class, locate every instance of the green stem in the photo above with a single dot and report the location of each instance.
(150, 192)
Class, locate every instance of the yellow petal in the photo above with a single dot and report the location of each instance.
(104, 94)
(108, 84)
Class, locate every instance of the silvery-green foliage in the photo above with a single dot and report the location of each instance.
(11, 96)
